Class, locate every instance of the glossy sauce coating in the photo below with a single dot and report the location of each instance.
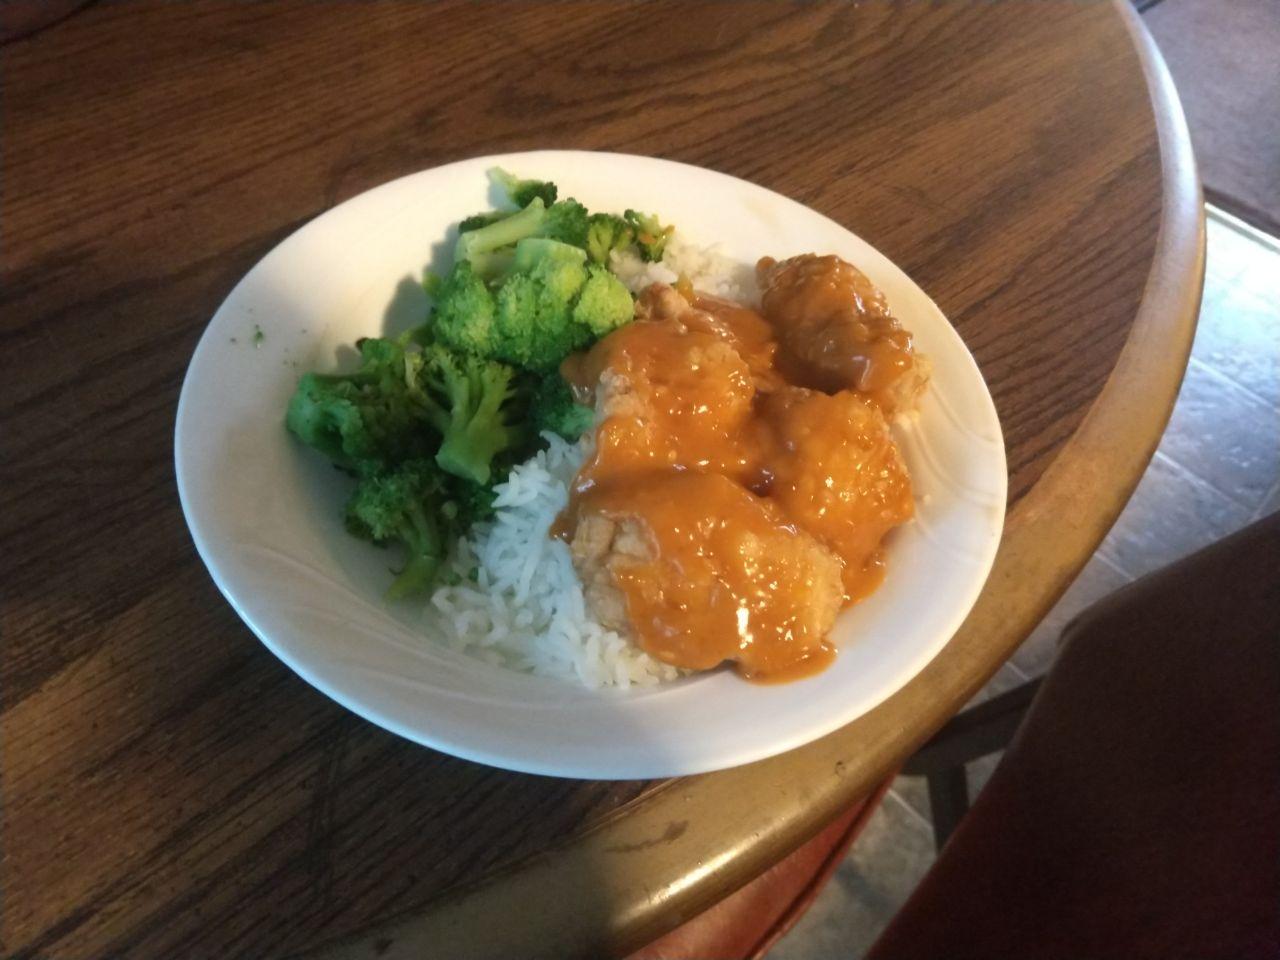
(725, 576)
(735, 508)
(837, 473)
(836, 323)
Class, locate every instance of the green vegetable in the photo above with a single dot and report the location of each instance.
(522, 192)
(433, 419)
(651, 236)
(606, 233)
(472, 502)
(550, 305)
(406, 505)
(420, 429)
(528, 222)
(534, 327)
(604, 303)
(478, 220)
(464, 313)
(555, 409)
(466, 399)
(364, 421)
(531, 251)
(565, 221)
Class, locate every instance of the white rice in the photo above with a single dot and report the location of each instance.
(518, 602)
(707, 269)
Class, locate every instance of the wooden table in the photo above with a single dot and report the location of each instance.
(169, 788)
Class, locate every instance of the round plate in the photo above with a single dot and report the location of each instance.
(266, 513)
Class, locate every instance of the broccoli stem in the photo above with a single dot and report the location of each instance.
(526, 223)
(416, 578)
(494, 264)
(532, 250)
(475, 435)
(426, 551)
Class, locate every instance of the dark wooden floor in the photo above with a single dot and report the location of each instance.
(1223, 60)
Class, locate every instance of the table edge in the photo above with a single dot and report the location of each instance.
(590, 898)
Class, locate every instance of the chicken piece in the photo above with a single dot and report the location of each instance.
(699, 571)
(836, 323)
(837, 473)
(599, 544)
(668, 397)
(659, 301)
(748, 333)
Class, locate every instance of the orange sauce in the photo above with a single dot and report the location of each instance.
(836, 326)
(838, 475)
(762, 504)
(726, 578)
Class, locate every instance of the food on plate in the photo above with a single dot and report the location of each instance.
(606, 457)
(728, 509)
(433, 419)
(837, 326)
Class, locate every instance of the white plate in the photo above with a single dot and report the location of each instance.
(265, 513)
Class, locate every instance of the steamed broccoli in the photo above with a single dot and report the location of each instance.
(604, 304)
(533, 250)
(606, 233)
(463, 318)
(535, 328)
(555, 409)
(651, 236)
(550, 305)
(466, 399)
(434, 418)
(541, 215)
(470, 502)
(565, 221)
(501, 233)
(364, 420)
(522, 192)
(404, 505)
(478, 220)
(385, 422)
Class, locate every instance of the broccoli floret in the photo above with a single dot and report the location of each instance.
(534, 324)
(522, 291)
(406, 505)
(566, 221)
(529, 320)
(522, 192)
(555, 409)
(651, 236)
(606, 233)
(463, 318)
(604, 304)
(325, 414)
(471, 502)
(466, 399)
(365, 420)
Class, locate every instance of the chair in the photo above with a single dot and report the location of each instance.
(1136, 812)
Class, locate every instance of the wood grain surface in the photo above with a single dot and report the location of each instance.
(169, 788)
